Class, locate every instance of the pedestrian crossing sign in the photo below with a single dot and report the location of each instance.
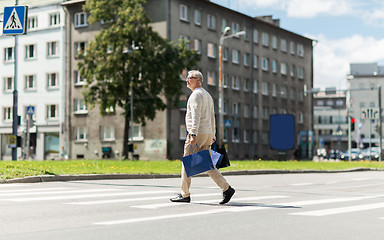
(15, 19)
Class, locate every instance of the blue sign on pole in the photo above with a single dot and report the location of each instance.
(30, 110)
(15, 20)
(282, 132)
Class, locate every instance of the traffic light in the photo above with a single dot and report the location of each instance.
(352, 124)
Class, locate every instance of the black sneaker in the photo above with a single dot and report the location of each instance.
(180, 198)
(227, 195)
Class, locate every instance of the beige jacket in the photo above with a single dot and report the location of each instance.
(200, 117)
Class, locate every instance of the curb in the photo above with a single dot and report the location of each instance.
(65, 178)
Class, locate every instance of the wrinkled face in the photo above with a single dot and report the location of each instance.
(192, 82)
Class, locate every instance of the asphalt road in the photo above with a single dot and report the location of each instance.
(281, 206)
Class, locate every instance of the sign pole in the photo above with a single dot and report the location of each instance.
(15, 117)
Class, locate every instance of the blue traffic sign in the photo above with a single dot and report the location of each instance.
(30, 110)
(227, 123)
(15, 20)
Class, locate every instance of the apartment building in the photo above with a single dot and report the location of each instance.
(41, 81)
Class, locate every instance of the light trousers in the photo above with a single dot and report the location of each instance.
(204, 141)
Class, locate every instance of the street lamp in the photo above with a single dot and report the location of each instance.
(221, 94)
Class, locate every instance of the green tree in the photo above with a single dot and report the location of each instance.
(127, 53)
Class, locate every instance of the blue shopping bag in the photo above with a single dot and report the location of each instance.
(198, 162)
(216, 157)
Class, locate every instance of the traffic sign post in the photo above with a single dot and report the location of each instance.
(15, 20)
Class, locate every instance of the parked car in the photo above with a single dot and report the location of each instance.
(334, 154)
(373, 152)
(355, 153)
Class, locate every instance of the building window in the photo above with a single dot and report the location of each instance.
(235, 135)
(265, 113)
(300, 72)
(246, 59)
(30, 51)
(235, 28)
(107, 133)
(235, 56)
(255, 137)
(292, 47)
(246, 136)
(52, 80)
(235, 109)
(32, 23)
(182, 132)
(197, 17)
(283, 91)
(247, 84)
(80, 48)
(8, 54)
(79, 81)
(293, 70)
(274, 66)
(8, 84)
(211, 22)
(255, 86)
(246, 35)
(274, 90)
(283, 68)
(225, 54)
(264, 64)
(283, 45)
(183, 13)
(235, 82)
(52, 49)
(224, 24)
(264, 137)
(255, 61)
(138, 133)
(211, 50)
(293, 94)
(300, 50)
(79, 106)
(265, 39)
(255, 112)
(52, 112)
(225, 137)
(246, 111)
(255, 36)
(30, 82)
(54, 19)
(225, 107)
(80, 133)
(226, 80)
(211, 78)
(264, 88)
(7, 116)
(81, 20)
(198, 46)
(186, 40)
(274, 42)
(301, 117)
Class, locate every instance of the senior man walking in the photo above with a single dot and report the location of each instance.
(200, 122)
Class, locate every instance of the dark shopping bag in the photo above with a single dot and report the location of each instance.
(198, 162)
(224, 162)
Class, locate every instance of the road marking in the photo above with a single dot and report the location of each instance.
(54, 192)
(333, 211)
(301, 184)
(12, 185)
(30, 190)
(87, 195)
(171, 204)
(118, 200)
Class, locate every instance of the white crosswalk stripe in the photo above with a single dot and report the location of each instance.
(333, 211)
(2, 193)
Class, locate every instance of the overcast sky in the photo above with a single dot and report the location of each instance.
(348, 31)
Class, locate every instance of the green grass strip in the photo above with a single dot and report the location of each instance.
(19, 169)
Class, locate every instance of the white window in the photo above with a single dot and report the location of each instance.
(283, 91)
(7, 114)
(81, 133)
(235, 135)
(197, 18)
(226, 80)
(246, 111)
(283, 68)
(235, 28)
(235, 108)
(255, 112)
(246, 36)
(80, 47)
(225, 54)
(235, 82)
(264, 64)
(274, 42)
(30, 82)
(211, 78)
(183, 13)
(107, 133)
(52, 80)
(300, 72)
(265, 39)
(246, 136)
(8, 84)
(235, 56)
(246, 59)
(52, 112)
(264, 88)
(138, 133)
(197, 46)
(300, 50)
(52, 50)
(274, 66)
(211, 50)
(247, 84)
(79, 106)
(211, 24)
(30, 51)
(283, 45)
(292, 47)
(79, 81)
(32, 23)
(8, 54)
(81, 19)
(255, 61)
(224, 24)
(54, 19)
(274, 90)
(255, 36)
(293, 70)
(255, 86)
(182, 132)
(265, 113)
